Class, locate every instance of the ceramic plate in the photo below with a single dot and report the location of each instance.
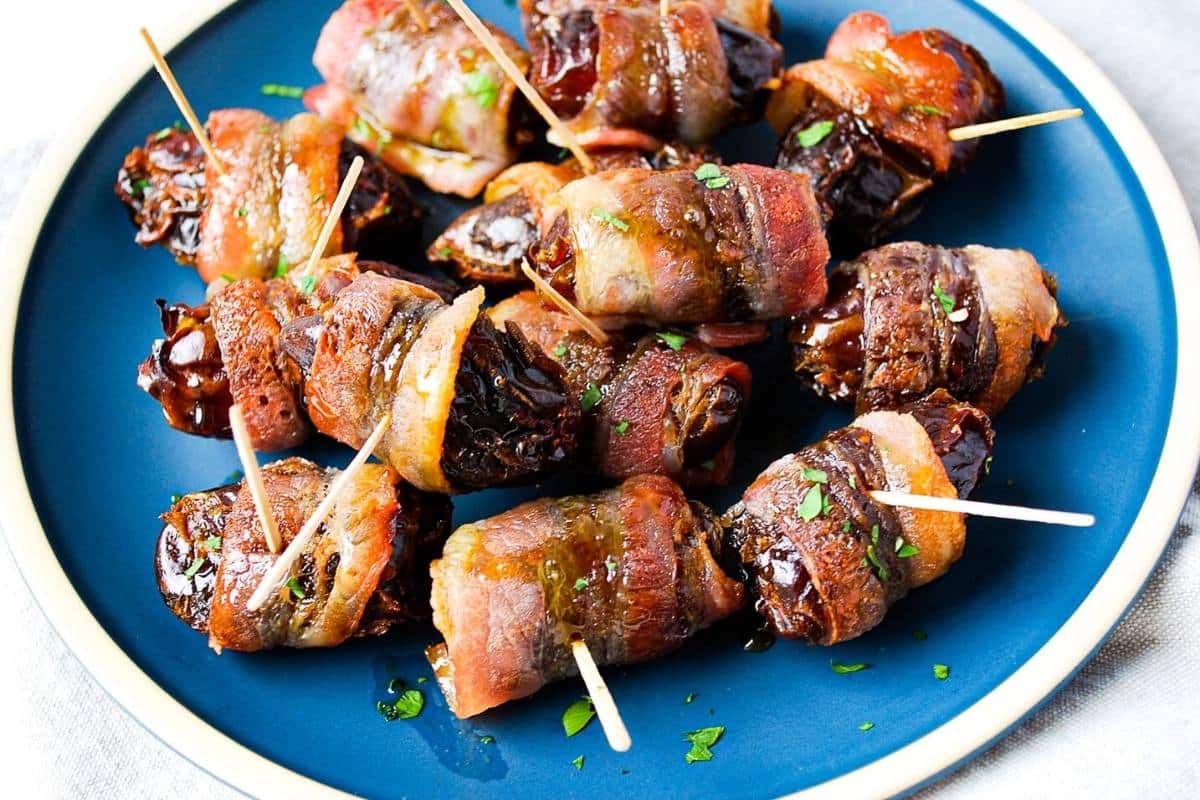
(1112, 429)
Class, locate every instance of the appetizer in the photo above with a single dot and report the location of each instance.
(868, 123)
(364, 571)
(267, 209)
(908, 318)
(632, 571)
(660, 403)
(421, 92)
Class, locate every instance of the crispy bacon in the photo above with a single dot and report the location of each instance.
(361, 574)
(890, 99)
(432, 103)
(824, 560)
(664, 405)
(632, 571)
(669, 247)
(907, 318)
(755, 16)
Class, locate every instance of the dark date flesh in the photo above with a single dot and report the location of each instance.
(162, 187)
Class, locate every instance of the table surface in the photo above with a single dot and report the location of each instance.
(1126, 726)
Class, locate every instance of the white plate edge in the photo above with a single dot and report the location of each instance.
(942, 748)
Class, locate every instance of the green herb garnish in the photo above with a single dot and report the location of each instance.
(487, 739)
(280, 90)
(590, 397)
(846, 669)
(687, 701)
(483, 88)
(710, 175)
(560, 351)
(611, 218)
(282, 266)
(814, 134)
(406, 706)
(702, 741)
(191, 571)
(930, 111)
(243, 211)
(577, 716)
(675, 341)
(175, 498)
(213, 543)
(162, 134)
(904, 549)
(811, 505)
(873, 557)
(946, 300)
(581, 584)
(444, 252)
(610, 564)
(225, 276)
(941, 671)
(294, 585)
(866, 726)
(815, 475)
(846, 526)
(140, 186)
(621, 427)
(307, 284)
(578, 762)
(422, 679)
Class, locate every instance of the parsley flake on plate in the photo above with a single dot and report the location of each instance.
(407, 706)
(282, 90)
(846, 669)
(702, 741)
(941, 671)
(577, 716)
(866, 726)
(578, 762)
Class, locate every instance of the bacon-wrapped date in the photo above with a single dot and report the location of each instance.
(365, 570)
(907, 318)
(868, 123)
(622, 75)
(268, 208)
(632, 571)
(488, 243)
(471, 406)
(431, 102)
(823, 560)
(652, 404)
(744, 244)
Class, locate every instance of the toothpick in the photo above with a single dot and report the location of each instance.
(283, 565)
(602, 699)
(254, 479)
(418, 13)
(181, 101)
(544, 288)
(664, 8)
(486, 38)
(978, 509)
(335, 213)
(1013, 124)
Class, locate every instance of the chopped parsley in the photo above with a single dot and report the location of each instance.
(560, 351)
(581, 584)
(941, 671)
(307, 284)
(422, 679)
(702, 741)
(280, 90)
(175, 498)
(140, 186)
(590, 398)
(687, 701)
(866, 726)
(487, 739)
(225, 276)
(282, 266)
(578, 762)
(846, 526)
(366, 132)
(213, 543)
(815, 475)
(882, 570)
(946, 300)
(191, 571)
(904, 549)
(814, 134)
(710, 175)
(387, 210)
(675, 341)
(920, 636)
(611, 218)
(444, 252)
(467, 52)
(930, 111)
(852, 481)
(294, 585)
(610, 564)
(407, 706)
(577, 716)
(162, 134)
(846, 669)
(483, 88)
(621, 427)
(811, 505)
(243, 211)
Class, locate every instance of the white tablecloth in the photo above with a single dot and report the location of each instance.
(1127, 727)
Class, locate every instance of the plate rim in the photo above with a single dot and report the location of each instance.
(936, 752)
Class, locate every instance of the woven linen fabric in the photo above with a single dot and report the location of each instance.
(1127, 726)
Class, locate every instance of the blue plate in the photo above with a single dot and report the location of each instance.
(1021, 611)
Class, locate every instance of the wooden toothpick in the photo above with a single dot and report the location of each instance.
(185, 108)
(544, 288)
(602, 699)
(489, 42)
(254, 479)
(664, 8)
(283, 565)
(978, 509)
(1013, 124)
(335, 213)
